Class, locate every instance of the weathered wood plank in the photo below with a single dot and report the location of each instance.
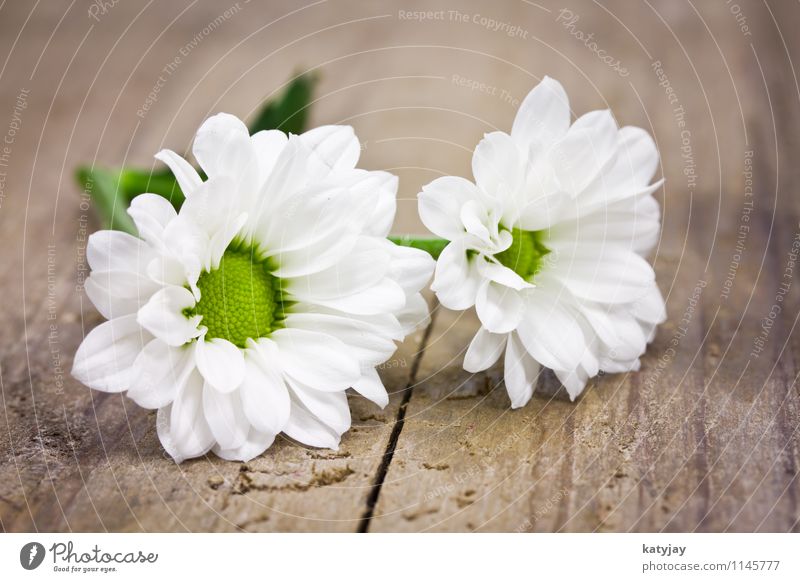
(706, 440)
(703, 438)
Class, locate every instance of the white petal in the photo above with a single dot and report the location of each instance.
(497, 165)
(543, 116)
(336, 145)
(411, 268)
(385, 297)
(221, 363)
(382, 186)
(268, 146)
(586, 149)
(368, 342)
(484, 350)
(304, 427)
(315, 359)
(521, 373)
(329, 407)
(151, 214)
(362, 269)
(550, 333)
(225, 416)
(499, 308)
(182, 428)
(255, 444)
(219, 142)
(160, 371)
(650, 308)
(371, 386)
(104, 360)
(264, 393)
(163, 316)
(637, 159)
(573, 380)
(608, 275)
(185, 174)
(440, 205)
(456, 280)
(118, 293)
(111, 250)
(415, 314)
(502, 275)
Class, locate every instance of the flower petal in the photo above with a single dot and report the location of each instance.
(543, 116)
(456, 279)
(315, 359)
(225, 416)
(151, 214)
(219, 142)
(498, 167)
(521, 372)
(255, 444)
(160, 371)
(440, 205)
(264, 393)
(163, 316)
(371, 386)
(484, 350)
(330, 408)
(182, 426)
(336, 145)
(499, 308)
(185, 174)
(586, 149)
(104, 360)
(305, 428)
(221, 363)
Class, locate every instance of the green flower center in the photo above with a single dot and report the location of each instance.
(240, 299)
(526, 254)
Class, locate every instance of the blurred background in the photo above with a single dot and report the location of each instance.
(705, 437)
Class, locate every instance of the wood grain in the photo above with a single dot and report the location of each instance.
(703, 438)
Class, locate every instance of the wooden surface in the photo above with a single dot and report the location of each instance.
(704, 438)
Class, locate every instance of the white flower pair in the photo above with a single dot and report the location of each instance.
(274, 289)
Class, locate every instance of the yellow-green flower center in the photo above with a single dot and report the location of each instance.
(526, 254)
(240, 299)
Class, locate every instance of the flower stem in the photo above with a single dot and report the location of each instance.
(431, 245)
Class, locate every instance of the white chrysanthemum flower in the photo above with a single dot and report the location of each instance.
(253, 309)
(548, 245)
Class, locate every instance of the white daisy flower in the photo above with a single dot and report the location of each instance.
(548, 245)
(253, 309)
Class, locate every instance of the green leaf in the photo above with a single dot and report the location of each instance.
(112, 190)
(289, 112)
(110, 203)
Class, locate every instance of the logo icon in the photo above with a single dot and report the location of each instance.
(31, 555)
